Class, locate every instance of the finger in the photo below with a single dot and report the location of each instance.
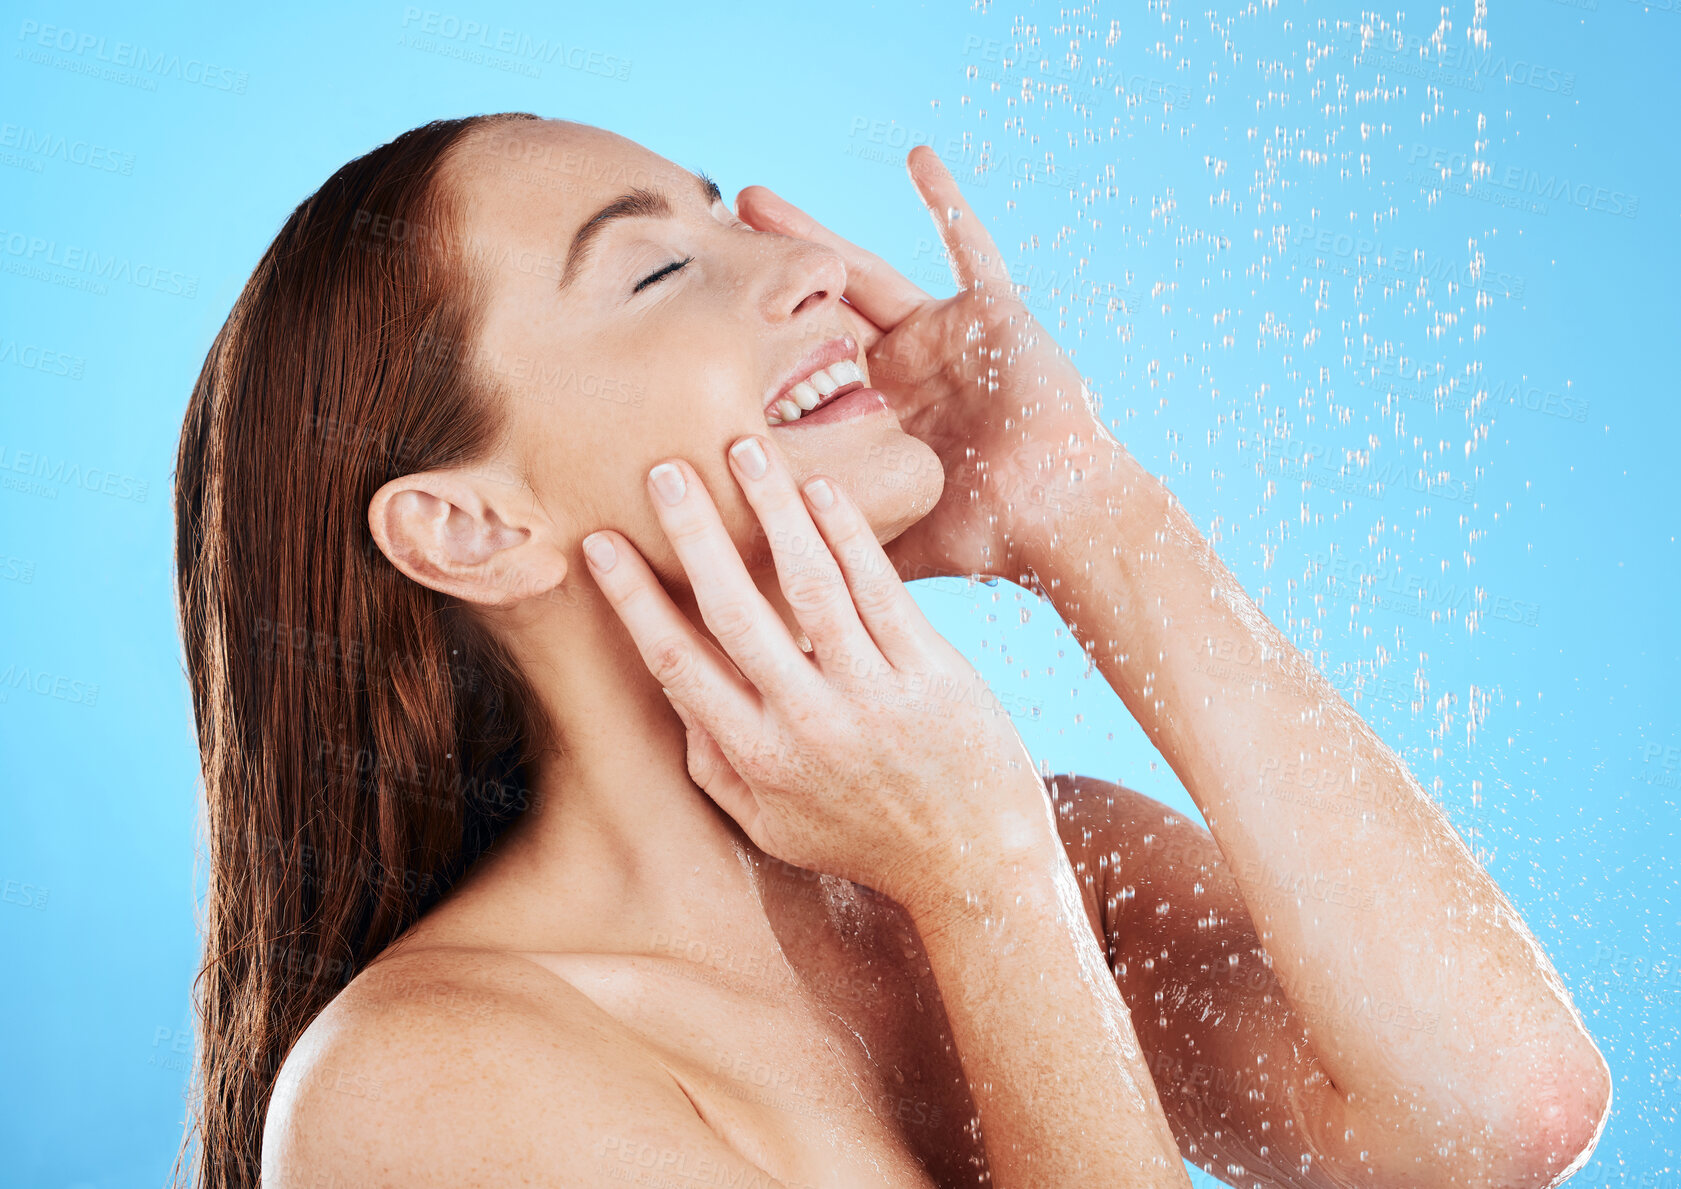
(711, 770)
(731, 605)
(877, 289)
(810, 578)
(975, 259)
(885, 606)
(680, 658)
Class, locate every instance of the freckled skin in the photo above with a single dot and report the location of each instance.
(696, 351)
(647, 972)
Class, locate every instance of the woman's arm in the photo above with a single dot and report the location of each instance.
(1046, 1041)
(1378, 902)
(878, 758)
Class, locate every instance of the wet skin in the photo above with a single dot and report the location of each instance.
(655, 919)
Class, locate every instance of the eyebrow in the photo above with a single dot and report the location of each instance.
(636, 204)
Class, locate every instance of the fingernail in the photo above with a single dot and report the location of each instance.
(820, 492)
(677, 706)
(600, 551)
(668, 481)
(750, 457)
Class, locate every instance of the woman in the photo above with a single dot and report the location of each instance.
(589, 801)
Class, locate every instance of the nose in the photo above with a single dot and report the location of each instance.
(807, 279)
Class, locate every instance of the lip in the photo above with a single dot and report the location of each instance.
(860, 402)
(836, 349)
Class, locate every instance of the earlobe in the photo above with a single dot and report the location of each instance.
(441, 530)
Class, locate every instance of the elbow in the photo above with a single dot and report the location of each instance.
(1555, 1120)
(1525, 1127)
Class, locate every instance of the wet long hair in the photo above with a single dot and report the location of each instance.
(362, 739)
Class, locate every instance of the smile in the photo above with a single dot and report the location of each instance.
(816, 390)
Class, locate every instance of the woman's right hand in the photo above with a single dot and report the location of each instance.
(882, 756)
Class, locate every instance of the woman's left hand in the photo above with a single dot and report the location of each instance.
(974, 376)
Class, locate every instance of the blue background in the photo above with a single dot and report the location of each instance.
(1414, 371)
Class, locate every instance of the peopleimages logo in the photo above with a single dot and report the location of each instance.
(1318, 247)
(1487, 179)
(147, 64)
(42, 359)
(48, 685)
(1391, 373)
(52, 146)
(1467, 64)
(887, 142)
(1062, 76)
(32, 254)
(1389, 585)
(523, 48)
(47, 469)
(1360, 475)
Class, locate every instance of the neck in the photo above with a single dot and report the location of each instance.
(620, 852)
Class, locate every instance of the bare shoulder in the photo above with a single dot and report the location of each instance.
(1230, 1057)
(1106, 825)
(470, 1066)
(1090, 802)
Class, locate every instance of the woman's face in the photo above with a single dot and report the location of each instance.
(663, 333)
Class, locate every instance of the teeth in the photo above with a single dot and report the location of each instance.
(811, 391)
(845, 372)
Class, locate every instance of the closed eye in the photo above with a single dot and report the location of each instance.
(660, 273)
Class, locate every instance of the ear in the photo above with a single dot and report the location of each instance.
(477, 534)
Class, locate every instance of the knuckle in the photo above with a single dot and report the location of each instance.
(731, 620)
(877, 598)
(811, 588)
(672, 661)
(624, 591)
(687, 531)
(694, 515)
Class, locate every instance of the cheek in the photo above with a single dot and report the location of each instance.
(704, 375)
(907, 482)
(627, 504)
(894, 478)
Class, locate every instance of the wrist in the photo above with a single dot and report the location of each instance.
(988, 885)
(1102, 496)
(1071, 495)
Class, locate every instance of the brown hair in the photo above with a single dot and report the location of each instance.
(363, 741)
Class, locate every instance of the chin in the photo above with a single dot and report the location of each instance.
(894, 478)
(901, 484)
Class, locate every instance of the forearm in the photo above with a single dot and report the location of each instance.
(1359, 887)
(1046, 1042)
